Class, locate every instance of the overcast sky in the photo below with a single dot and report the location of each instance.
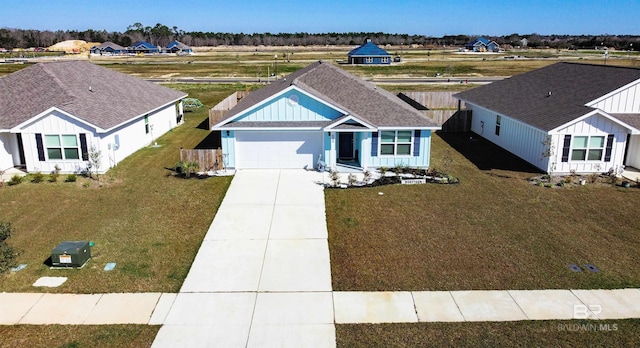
(423, 17)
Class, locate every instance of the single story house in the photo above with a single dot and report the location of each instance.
(482, 44)
(369, 53)
(322, 113)
(108, 48)
(52, 114)
(143, 47)
(178, 47)
(564, 117)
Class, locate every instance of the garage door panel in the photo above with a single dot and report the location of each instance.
(256, 149)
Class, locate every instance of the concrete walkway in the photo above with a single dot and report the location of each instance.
(262, 275)
(262, 278)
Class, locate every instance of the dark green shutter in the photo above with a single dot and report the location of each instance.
(607, 152)
(83, 147)
(40, 146)
(566, 147)
(416, 143)
(374, 144)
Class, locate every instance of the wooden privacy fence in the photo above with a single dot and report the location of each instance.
(208, 159)
(221, 109)
(442, 108)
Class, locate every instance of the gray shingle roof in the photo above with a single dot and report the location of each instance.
(348, 92)
(526, 97)
(97, 95)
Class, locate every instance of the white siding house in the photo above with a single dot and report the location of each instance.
(562, 118)
(70, 107)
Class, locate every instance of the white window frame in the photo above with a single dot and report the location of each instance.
(62, 147)
(385, 59)
(368, 60)
(395, 143)
(588, 148)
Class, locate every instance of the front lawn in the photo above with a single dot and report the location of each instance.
(552, 333)
(494, 230)
(76, 336)
(148, 222)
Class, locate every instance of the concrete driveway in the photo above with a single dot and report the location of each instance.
(262, 276)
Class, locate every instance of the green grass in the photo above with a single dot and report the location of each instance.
(139, 216)
(77, 336)
(494, 230)
(554, 333)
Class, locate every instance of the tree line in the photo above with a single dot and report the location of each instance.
(161, 35)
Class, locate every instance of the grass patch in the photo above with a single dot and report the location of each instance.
(72, 336)
(553, 333)
(148, 222)
(494, 230)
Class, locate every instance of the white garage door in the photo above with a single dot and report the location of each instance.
(268, 149)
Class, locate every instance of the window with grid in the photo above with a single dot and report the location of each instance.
(62, 147)
(369, 60)
(587, 148)
(395, 143)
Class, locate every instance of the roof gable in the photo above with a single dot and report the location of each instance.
(369, 49)
(549, 97)
(96, 95)
(344, 91)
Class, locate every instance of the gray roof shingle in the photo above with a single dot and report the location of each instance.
(526, 97)
(348, 92)
(97, 95)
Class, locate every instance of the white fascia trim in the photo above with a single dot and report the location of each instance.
(597, 112)
(616, 91)
(277, 95)
(142, 115)
(348, 118)
(35, 118)
(270, 129)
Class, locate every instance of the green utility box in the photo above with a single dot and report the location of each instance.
(71, 254)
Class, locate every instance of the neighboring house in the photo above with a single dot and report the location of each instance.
(52, 113)
(369, 53)
(324, 113)
(108, 48)
(143, 47)
(591, 114)
(178, 47)
(482, 44)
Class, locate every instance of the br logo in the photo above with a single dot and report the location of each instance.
(581, 311)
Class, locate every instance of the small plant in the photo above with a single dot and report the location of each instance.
(568, 179)
(592, 178)
(334, 176)
(540, 183)
(383, 170)
(37, 177)
(85, 184)
(186, 168)
(352, 179)
(15, 180)
(572, 172)
(367, 175)
(53, 177)
(7, 255)
(95, 161)
(71, 178)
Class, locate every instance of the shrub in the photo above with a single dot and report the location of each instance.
(71, 178)
(7, 255)
(37, 177)
(53, 177)
(15, 180)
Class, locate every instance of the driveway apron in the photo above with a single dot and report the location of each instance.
(262, 276)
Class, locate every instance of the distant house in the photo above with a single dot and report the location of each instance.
(178, 47)
(108, 48)
(143, 47)
(321, 112)
(482, 44)
(51, 114)
(564, 117)
(369, 53)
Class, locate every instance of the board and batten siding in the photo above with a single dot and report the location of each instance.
(594, 125)
(516, 137)
(291, 106)
(130, 137)
(8, 146)
(633, 151)
(622, 102)
(420, 161)
(228, 144)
